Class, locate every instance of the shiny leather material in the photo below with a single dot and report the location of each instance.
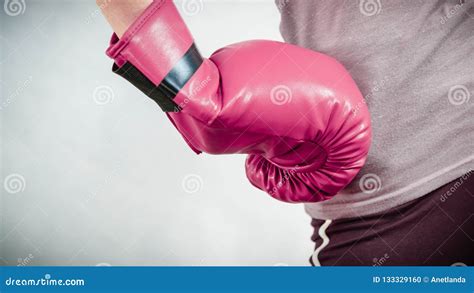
(297, 113)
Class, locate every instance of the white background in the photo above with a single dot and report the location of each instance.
(90, 179)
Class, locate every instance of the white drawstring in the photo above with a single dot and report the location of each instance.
(325, 238)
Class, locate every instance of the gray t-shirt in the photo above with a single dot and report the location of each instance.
(414, 63)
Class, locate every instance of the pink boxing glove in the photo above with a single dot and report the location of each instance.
(297, 113)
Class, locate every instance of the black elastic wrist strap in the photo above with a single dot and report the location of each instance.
(164, 93)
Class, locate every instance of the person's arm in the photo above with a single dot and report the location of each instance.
(120, 14)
